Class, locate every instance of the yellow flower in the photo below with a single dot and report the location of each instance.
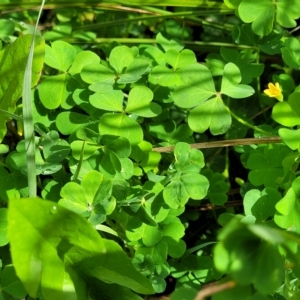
(274, 91)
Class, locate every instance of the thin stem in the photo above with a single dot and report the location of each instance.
(242, 121)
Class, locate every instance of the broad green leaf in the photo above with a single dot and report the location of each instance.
(152, 235)
(97, 73)
(175, 194)
(3, 227)
(270, 272)
(290, 53)
(60, 55)
(54, 148)
(168, 44)
(139, 102)
(121, 125)
(144, 264)
(134, 71)
(230, 83)
(288, 113)
(169, 132)
(91, 199)
(260, 12)
(261, 205)
(245, 64)
(210, 114)
(118, 145)
(218, 187)
(199, 86)
(165, 76)
(74, 243)
(13, 60)
(196, 185)
(158, 252)
(11, 284)
(290, 137)
(188, 160)
(8, 188)
(83, 149)
(67, 121)
(83, 59)
(53, 90)
(7, 28)
(111, 101)
(180, 59)
(135, 229)
(266, 168)
(120, 58)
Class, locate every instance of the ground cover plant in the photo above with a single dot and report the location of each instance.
(149, 148)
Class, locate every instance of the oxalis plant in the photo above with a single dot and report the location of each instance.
(149, 142)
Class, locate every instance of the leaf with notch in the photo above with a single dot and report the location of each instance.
(139, 102)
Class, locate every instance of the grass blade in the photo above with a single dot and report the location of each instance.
(28, 117)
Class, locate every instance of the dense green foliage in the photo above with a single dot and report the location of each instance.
(167, 146)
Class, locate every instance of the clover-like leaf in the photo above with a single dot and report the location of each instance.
(210, 114)
(60, 55)
(290, 52)
(230, 83)
(198, 86)
(92, 199)
(74, 244)
(134, 71)
(290, 137)
(248, 69)
(288, 113)
(120, 58)
(111, 101)
(121, 125)
(139, 102)
(263, 12)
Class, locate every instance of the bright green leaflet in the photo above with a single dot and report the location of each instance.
(121, 125)
(13, 62)
(263, 12)
(74, 244)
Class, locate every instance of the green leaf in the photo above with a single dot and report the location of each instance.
(7, 28)
(159, 252)
(181, 59)
(168, 44)
(67, 121)
(196, 185)
(290, 137)
(270, 273)
(290, 53)
(83, 59)
(139, 102)
(60, 55)
(266, 168)
(244, 61)
(74, 243)
(260, 12)
(188, 160)
(261, 205)
(13, 60)
(97, 73)
(92, 199)
(3, 227)
(152, 235)
(53, 90)
(199, 86)
(120, 58)
(165, 76)
(175, 194)
(121, 125)
(11, 284)
(134, 71)
(288, 113)
(230, 83)
(213, 115)
(111, 101)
